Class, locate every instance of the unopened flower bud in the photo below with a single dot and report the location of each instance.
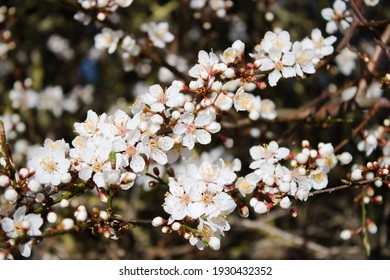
(101, 16)
(165, 229)
(248, 87)
(103, 195)
(370, 175)
(103, 215)
(253, 201)
(257, 63)
(67, 223)
(107, 233)
(345, 158)
(306, 152)
(175, 115)
(302, 158)
(64, 203)
(370, 191)
(23, 173)
(371, 227)
(326, 150)
(10, 195)
(215, 243)
(232, 85)
(207, 102)
(229, 73)
(293, 213)
(285, 203)
(194, 85)
(66, 178)
(366, 200)
(244, 211)
(4, 181)
(356, 175)
(176, 226)
(34, 186)
(158, 221)
(51, 217)
(81, 214)
(189, 107)
(313, 153)
(301, 171)
(187, 235)
(217, 86)
(229, 143)
(261, 207)
(346, 234)
(31, 170)
(377, 199)
(305, 144)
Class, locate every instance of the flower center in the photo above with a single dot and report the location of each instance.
(131, 150)
(48, 164)
(279, 65)
(191, 128)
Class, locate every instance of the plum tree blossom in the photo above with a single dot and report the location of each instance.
(280, 64)
(158, 33)
(50, 163)
(108, 40)
(197, 129)
(270, 153)
(337, 15)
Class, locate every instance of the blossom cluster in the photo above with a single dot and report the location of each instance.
(278, 56)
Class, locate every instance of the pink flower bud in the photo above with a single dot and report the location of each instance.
(24, 173)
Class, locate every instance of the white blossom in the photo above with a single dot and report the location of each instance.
(280, 41)
(322, 46)
(346, 61)
(22, 224)
(280, 64)
(337, 15)
(158, 33)
(303, 59)
(247, 184)
(205, 64)
(270, 153)
(156, 148)
(50, 163)
(108, 40)
(197, 129)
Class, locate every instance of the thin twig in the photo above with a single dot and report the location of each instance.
(330, 190)
(361, 126)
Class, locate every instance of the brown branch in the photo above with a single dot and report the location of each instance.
(378, 51)
(137, 222)
(377, 105)
(363, 23)
(352, 184)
